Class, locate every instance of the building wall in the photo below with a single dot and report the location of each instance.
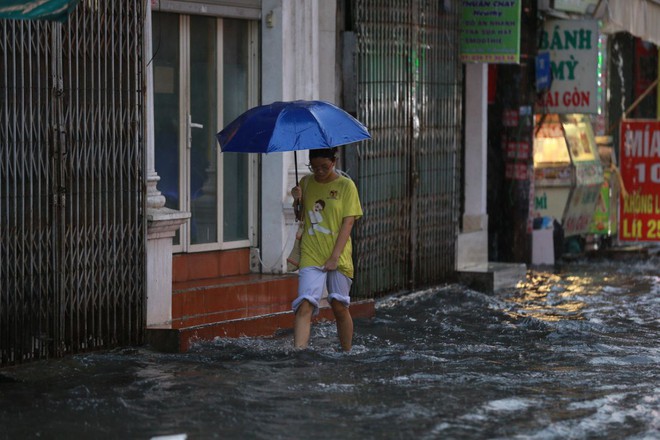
(298, 62)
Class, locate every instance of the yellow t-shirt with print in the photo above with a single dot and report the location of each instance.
(324, 206)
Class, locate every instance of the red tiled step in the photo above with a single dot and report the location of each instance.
(179, 339)
(206, 301)
(209, 265)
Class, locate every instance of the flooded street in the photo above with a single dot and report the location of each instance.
(572, 354)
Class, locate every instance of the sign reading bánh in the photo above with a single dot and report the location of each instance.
(573, 47)
(490, 31)
(639, 211)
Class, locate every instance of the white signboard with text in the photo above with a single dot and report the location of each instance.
(573, 48)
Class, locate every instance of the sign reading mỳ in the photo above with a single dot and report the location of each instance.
(490, 31)
(573, 47)
(639, 211)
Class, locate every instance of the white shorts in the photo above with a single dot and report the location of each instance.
(312, 282)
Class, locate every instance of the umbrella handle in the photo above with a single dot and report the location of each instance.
(299, 206)
(295, 164)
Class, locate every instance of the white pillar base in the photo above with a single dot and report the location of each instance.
(162, 224)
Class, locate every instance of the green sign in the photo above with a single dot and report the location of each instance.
(490, 31)
(601, 221)
(56, 10)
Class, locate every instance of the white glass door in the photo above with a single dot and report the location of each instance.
(205, 74)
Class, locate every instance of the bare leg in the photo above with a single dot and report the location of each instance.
(344, 324)
(302, 324)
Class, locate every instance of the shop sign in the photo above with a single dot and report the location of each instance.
(550, 202)
(490, 31)
(590, 173)
(579, 6)
(543, 73)
(602, 219)
(517, 150)
(580, 210)
(516, 171)
(639, 211)
(573, 48)
(510, 118)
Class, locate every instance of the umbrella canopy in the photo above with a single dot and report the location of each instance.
(291, 126)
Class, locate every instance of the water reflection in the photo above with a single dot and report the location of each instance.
(549, 297)
(572, 353)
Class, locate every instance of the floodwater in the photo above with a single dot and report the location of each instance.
(574, 353)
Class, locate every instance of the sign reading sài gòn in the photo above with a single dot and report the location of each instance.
(490, 31)
(639, 210)
(573, 47)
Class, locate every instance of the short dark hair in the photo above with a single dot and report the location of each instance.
(328, 153)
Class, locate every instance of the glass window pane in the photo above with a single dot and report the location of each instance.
(235, 101)
(166, 106)
(203, 111)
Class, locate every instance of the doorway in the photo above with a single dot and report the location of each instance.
(205, 75)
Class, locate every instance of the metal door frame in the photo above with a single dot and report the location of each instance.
(72, 245)
(408, 92)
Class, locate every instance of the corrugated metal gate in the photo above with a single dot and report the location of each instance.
(409, 93)
(72, 234)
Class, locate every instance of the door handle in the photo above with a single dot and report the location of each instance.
(192, 125)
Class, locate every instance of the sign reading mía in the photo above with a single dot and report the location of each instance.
(639, 211)
(643, 143)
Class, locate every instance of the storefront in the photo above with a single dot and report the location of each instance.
(568, 174)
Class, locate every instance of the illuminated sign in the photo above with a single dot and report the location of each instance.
(639, 211)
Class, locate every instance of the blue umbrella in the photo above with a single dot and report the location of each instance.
(291, 126)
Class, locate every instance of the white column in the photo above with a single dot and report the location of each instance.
(296, 47)
(161, 226)
(472, 246)
(273, 166)
(154, 198)
(476, 147)
(162, 222)
(327, 51)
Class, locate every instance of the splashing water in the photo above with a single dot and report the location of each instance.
(572, 353)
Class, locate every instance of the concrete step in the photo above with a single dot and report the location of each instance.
(204, 301)
(492, 277)
(178, 339)
(210, 265)
(233, 306)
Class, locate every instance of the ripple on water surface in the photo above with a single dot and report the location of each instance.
(571, 353)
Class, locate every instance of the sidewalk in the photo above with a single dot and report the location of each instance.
(626, 250)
